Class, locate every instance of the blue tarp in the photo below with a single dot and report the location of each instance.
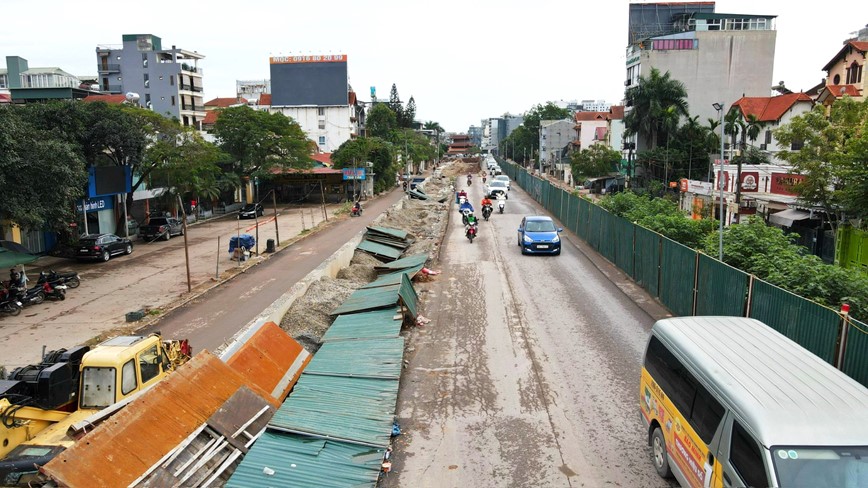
(246, 241)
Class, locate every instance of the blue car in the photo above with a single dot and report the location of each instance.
(538, 235)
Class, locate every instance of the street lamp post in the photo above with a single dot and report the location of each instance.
(719, 108)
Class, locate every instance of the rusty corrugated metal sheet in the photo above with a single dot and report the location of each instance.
(271, 359)
(125, 446)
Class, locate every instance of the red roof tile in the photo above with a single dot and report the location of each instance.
(225, 102)
(616, 112)
(113, 99)
(861, 46)
(841, 90)
(265, 99)
(211, 117)
(585, 116)
(324, 158)
(769, 109)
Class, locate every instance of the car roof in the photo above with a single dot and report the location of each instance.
(93, 236)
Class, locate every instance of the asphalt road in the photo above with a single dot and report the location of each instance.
(216, 316)
(528, 373)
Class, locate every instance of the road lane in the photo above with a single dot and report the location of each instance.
(527, 374)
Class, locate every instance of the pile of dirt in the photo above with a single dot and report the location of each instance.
(361, 268)
(308, 319)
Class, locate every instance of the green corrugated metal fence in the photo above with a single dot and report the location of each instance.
(856, 355)
(720, 288)
(813, 326)
(607, 235)
(585, 220)
(623, 242)
(678, 267)
(595, 215)
(646, 270)
(573, 214)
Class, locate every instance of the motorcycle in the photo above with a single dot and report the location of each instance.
(9, 303)
(356, 211)
(31, 296)
(484, 179)
(470, 233)
(469, 181)
(464, 214)
(68, 278)
(500, 205)
(486, 212)
(54, 292)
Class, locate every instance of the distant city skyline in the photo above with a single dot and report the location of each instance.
(458, 68)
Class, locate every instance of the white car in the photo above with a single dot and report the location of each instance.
(502, 178)
(496, 187)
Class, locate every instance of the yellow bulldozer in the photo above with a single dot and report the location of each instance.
(45, 407)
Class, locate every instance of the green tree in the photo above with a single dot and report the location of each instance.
(832, 158)
(41, 172)
(409, 113)
(661, 215)
(656, 102)
(597, 160)
(369, 149)
(396, 105)
(258, 141)
(381, 121)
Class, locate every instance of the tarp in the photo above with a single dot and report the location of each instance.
(355, 410)
(297, 461)
(9, 258)
(788, 217)
(369, 325)
(388, 231)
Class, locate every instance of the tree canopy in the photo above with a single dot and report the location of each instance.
(658, 102)
(258, 141)
(833, 158)
(597, 160)
(368, 149)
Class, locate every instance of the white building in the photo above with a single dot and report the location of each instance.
(595, 106)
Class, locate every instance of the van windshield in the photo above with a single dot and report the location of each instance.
(821, 466)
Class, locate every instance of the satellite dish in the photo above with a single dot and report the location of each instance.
(132, 97)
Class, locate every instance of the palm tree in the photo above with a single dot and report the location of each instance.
(741, 128)
(435, 126)
(655, 102)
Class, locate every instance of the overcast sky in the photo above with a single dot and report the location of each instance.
(462, 60)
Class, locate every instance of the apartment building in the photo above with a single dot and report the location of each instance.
(168, 81)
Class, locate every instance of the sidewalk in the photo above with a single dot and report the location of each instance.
(153, 279)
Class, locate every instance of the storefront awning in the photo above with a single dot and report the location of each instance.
(787, 218)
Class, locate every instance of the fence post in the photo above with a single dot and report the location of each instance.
(695, 281)
(749, 295)
(845, 325)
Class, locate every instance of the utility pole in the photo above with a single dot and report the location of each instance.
(186, 248)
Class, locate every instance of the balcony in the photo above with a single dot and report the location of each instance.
(191, 69)
(109, 68)
(112, 88)
(189, 87)
(192, 108)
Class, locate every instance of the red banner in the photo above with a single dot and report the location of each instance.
(320, 58)
(782, 183)
(725, 181)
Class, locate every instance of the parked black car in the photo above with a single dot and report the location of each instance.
(250, 211)
(161, 227)
(103, 246)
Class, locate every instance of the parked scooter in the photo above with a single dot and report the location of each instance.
(54, 292)
(31, 296)
(68, 278)
(9, 303)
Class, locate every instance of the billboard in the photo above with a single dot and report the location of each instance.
(108, 180)
(782, 183)
(309, 80)
(354, 173)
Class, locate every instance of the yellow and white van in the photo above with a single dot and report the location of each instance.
(729, 401)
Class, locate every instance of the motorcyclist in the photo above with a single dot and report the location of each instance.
(485, 201)
(465, 206)
(472, 221)
(501, 201)
(357, 208)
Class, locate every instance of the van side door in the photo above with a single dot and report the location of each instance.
(741, 456)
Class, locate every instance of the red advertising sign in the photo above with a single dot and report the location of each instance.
(782, 183)
(326, 58)
(750, 181)
(683, 185)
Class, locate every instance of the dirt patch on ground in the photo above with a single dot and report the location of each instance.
(424, 220)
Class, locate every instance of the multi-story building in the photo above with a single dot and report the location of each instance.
(252, 90)
(168, 81)
(844, 73)
(19, 83)
(555, 137)
(719, 58)
(497, 129)
(315, 92)
(475, 134)
(594, 106)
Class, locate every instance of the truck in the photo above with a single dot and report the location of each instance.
(161, 228)
(43, 406)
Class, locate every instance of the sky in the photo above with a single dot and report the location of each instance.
(462, 61)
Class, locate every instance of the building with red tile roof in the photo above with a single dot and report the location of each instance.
(111, 99)
(845, 74)
(225, 102)
(772, 112)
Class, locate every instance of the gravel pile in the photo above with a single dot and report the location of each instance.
(308, 318)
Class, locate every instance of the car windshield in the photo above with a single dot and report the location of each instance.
(498, 184)
(821, 466)
(540, 226)
(503, 178)
(87, 242)
(248, 207)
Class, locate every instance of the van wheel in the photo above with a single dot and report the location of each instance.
(659, 455)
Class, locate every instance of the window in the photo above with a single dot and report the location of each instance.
(173, 100)
(768, 137)
(745, 457)
(172, 80)
(706, 414)
(322, 124)
(147, 81)
(836, 80)
(144, 60)
(322, 140)
(128, 377)
(797, 145)
(149, 363)
(320, 111)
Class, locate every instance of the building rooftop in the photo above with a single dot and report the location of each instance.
(769, 109)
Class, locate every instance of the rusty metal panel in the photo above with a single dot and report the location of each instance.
(271, 359)
(125, 446)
